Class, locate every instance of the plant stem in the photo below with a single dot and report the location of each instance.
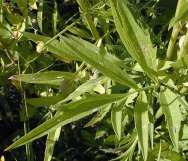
(89, 20)
(68, 27)
(175, 32)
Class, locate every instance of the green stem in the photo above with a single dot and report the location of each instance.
(89, 20)
(175, 32)
(68, 27)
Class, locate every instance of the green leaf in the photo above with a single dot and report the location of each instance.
(50, 143)
(68, 113)
(44, 101)
(99, 61)
(141, 122)
(22, 5)
(153, 153)
(87, 86)
(55, 47)
(181, 13)
(100, 51)
(136, 41)
(116, 118)
(99, 116)
(51, 77)
(80, 32)
(127, 153)
(170, 107)
(40, 15)
(181, 63)
(172, 156)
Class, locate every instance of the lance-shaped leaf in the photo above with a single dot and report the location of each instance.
(68, 113)
(136, 41)
(50, 143)
(50, 77)
(116, 118)
(100, 61)
(141, 122)
(55, 47)
(170, 107)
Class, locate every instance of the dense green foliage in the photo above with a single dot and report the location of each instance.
(102, 79)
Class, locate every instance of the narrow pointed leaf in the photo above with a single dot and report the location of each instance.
(87, 86)
(170, 107)
(116, 118)
(44, 101)
(136, 41)
(50, 77)
(142, 122)
(55, 47)
(68, 113)
(100, 62)
(50, 143)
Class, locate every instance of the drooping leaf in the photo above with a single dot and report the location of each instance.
(136, 41)
(141, 122)
(116, 118)
(50, 77)
(50, 143)
(170, 107)
(68, 113)
(99, 61)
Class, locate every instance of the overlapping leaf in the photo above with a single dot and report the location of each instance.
(170, 106)
(55, 47)
(142, 122)
(133, 37)
(50, 77)
(68, 113)
(99, 60)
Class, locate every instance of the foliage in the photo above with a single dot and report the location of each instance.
(118, 68)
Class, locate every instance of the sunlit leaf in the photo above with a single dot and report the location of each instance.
(116, 117)
(136, 41)
(50, 77)
(170, 106)
(99, 61)
(40, 15)
(55, 47)
(68, 113)
(181, 63)
(44, 101)
(142, 122)
(50, 143)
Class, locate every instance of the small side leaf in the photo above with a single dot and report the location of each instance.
(141, 122)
